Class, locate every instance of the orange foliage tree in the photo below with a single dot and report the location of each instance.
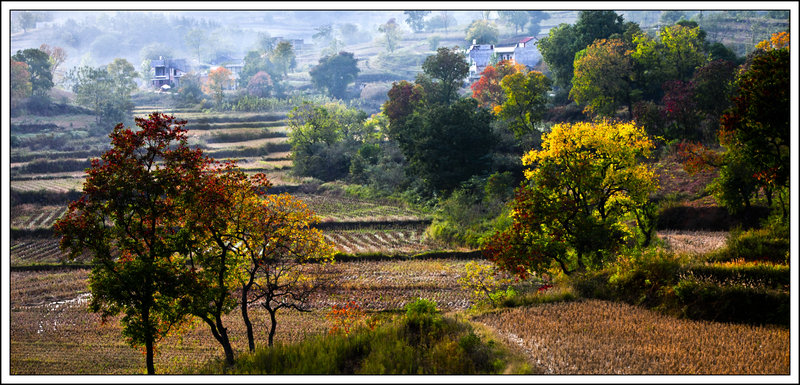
(218, 80)
(487, 90)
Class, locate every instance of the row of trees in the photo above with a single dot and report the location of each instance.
(443, 138)
(106, 91)
(31, 75)
(675, 83)
(175, 235)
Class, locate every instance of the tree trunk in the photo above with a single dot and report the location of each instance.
(225, 342)
(249, 325)
(221, 335)
(273, 324)
(148, 337)
(151, 369)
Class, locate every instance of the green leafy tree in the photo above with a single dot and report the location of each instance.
(756, 127)
(445, 144)
(39, 68)
(580, 202)
(392, 34)
(190, 90)
(196, 39)
(558, 50)
(525, 100)
(602, 79)
(683, 49)
(106, 93)
(443, 75)
(651, 68)
(322, 137)
(283, 57)
(122, 74)
(129, 219)
(334, 73)
(416, 20)
(517, 19)
(254, 62)
(482, 32)
(594, 25)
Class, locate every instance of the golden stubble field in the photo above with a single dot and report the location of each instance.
(598, 337)
(52, 331)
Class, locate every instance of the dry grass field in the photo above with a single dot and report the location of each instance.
(54, 333)
(597, 337)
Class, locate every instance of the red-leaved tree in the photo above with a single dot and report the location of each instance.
(130, 219)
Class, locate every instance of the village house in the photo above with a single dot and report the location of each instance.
(168, 72)
(520, 50)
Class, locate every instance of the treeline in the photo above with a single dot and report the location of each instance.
(43, 197)
(43, 166)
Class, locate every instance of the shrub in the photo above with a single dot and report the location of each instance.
(420, 342)
(768, 244)
(487, 285)
(763, 274)
(708, 300)
(644, 277)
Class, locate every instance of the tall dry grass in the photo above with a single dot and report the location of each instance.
(598, 337)
(693, 242)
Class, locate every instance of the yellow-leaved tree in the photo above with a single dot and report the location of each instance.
(586, 195)
(285, 253)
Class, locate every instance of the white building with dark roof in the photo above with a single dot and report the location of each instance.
(521, 50)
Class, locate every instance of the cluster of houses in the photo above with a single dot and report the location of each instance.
(521, 50)
(168, 72)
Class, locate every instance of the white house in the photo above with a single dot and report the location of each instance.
(521, 50)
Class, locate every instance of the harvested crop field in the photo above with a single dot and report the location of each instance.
(53, 331)
(598, 337)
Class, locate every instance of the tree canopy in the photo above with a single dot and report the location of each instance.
(525, 100)
(582, 191)
(416, 19)
(39, 68)
(334, 73)
(130, 219)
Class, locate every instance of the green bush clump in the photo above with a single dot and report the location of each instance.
(644, 277)
(422, 341)
(758, 274)
(769, 244)
(708, 300)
